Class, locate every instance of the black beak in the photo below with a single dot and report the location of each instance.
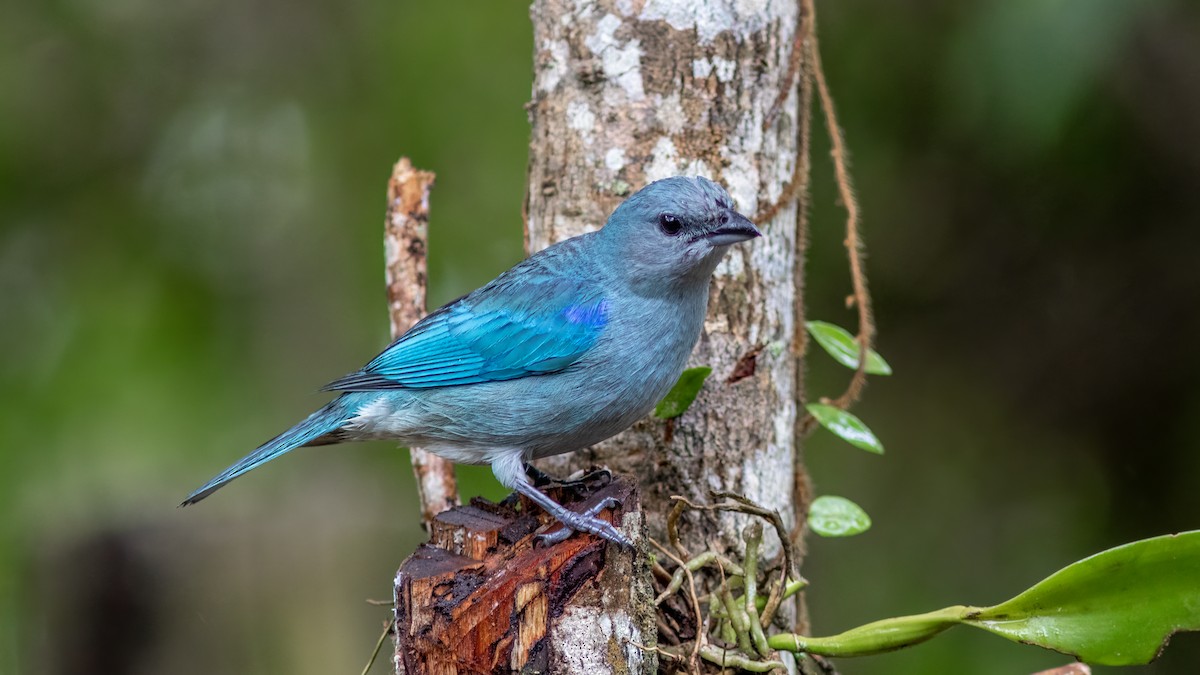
(734, 227)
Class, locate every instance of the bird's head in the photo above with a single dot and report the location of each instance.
(676, 229)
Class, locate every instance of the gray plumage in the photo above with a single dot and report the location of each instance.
(562, 351)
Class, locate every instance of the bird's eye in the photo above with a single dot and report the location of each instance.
(669, 224)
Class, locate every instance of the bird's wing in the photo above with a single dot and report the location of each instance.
(516, 326)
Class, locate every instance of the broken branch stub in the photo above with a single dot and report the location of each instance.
(405, 244)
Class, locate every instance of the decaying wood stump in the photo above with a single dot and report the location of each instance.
(483, 596)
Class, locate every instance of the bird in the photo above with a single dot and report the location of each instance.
(565, 349)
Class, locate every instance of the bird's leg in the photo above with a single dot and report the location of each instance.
(575, 522)
(540, 478)
(509, 468)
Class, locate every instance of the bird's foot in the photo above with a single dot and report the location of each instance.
(585, 522)
(520, 477)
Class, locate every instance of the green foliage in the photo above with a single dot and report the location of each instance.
(681, 396)
(842, 346)
(1115, 608)
(831, 516)
(1119, 607)
(848, 427)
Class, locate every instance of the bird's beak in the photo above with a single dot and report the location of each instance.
(736, 228)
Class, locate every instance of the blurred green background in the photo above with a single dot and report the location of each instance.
(191, 202)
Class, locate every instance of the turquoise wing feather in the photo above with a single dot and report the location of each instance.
(503, 331)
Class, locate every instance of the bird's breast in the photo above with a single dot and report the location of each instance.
(635, 363)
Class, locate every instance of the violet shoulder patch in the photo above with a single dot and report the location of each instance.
(592, 315)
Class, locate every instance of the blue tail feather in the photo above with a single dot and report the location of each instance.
(325, 421)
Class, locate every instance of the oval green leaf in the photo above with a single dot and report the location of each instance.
(842, 346)
(1115, 608)
(847, 426)
(683, 394)
(831, 516)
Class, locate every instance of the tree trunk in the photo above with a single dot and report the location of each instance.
(627, 92)
(630, 91)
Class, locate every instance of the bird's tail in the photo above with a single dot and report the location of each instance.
(325, 421)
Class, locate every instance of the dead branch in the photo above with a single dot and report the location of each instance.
(405, 245)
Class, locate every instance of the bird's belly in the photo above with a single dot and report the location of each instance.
(612, 398)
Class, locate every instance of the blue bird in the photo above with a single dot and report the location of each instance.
(564, 350)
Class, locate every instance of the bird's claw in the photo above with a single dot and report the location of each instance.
(587, 522)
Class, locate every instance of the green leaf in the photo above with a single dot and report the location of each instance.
(681, 396)
(1115, 608)
(847, 426)
(831, 516)
(842, 346)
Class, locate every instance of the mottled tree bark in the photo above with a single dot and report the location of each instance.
(630, 91)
